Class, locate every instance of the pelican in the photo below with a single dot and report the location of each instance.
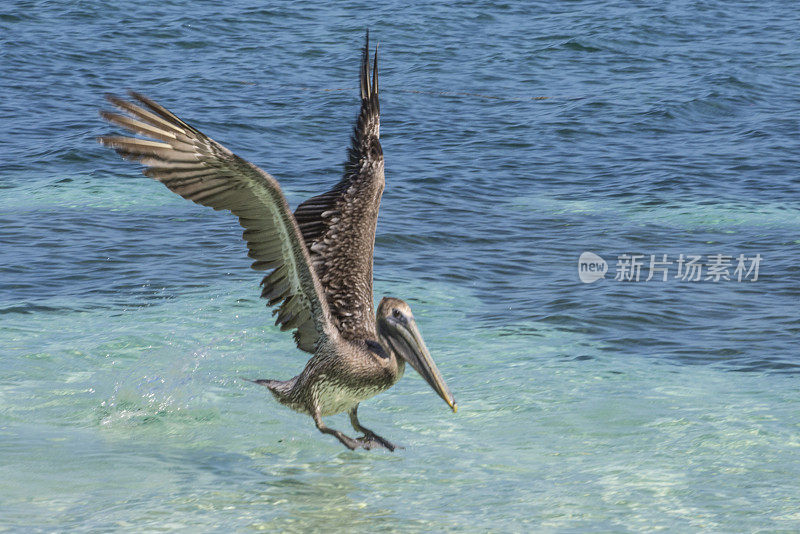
(319, 258)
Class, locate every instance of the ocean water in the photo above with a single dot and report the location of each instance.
(517, 136)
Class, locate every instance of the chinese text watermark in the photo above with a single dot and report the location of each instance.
(662, 267)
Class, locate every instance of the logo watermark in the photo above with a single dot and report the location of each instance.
(591, 267)
(660, 267)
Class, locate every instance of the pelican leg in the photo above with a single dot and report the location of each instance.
(369, 435)
(347, 441)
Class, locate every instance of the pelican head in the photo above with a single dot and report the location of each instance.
(398, 333)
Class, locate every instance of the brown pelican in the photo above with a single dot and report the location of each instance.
(320, 258)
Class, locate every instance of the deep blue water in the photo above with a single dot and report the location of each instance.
(516, 137)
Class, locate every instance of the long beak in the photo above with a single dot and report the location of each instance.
(412, 349)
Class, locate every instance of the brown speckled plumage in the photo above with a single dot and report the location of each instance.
(319, 258)
(339, 226)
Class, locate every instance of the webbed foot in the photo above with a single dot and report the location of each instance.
(372, 440)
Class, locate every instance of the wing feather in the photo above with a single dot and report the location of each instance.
(201, 170)
(339, 226)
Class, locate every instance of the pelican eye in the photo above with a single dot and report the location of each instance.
(398, 316)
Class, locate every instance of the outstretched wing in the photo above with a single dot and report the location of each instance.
(203, 171)
(339, 226)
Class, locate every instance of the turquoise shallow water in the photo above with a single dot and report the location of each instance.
(127, 314)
